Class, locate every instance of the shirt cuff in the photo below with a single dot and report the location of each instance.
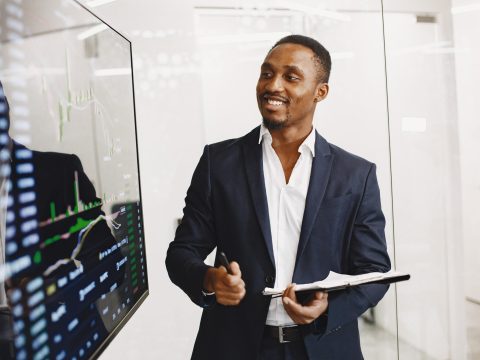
(205, 293)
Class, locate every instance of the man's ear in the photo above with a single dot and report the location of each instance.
(321, 92)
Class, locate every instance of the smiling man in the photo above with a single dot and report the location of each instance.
(287, 207)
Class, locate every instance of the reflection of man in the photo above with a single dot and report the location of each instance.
(53, 186)
(288, 207)
(66, 231)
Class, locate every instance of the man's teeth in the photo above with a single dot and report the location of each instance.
(274, 102)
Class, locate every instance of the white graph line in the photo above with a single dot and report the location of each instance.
(82, 235)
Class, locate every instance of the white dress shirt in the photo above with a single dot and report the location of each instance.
(286, 205)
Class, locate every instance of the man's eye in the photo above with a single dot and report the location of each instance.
(292, 77)
(266, 75)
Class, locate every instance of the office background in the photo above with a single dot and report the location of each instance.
(405, 78)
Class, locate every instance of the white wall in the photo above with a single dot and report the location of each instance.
(426, 187)
(467, 58)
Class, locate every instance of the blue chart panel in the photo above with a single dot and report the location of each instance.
(72, 254)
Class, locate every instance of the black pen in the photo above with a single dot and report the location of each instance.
(224, 261)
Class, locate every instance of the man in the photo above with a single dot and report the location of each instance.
(287, 207)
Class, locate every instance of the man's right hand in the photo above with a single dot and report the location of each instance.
(229, 289)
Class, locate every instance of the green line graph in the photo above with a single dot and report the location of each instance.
(78, 206)
(79, 225)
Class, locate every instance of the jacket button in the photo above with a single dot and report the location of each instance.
(269, 280)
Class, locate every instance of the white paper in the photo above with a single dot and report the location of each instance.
(337, 280)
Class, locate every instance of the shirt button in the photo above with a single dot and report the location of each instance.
(269, 280)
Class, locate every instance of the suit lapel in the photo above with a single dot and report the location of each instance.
(254, 169)
(321, 167)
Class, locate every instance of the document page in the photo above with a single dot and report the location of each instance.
(336, 281)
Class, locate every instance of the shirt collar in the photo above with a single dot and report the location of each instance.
(308, 143)
(264, 133)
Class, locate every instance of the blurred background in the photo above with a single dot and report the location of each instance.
(403, 95)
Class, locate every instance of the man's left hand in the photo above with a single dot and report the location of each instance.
(306, 313)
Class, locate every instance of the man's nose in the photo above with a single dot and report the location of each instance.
(275, 84)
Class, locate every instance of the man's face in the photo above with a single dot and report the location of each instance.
(288, 88)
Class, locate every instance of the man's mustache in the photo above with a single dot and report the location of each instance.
(274, 96)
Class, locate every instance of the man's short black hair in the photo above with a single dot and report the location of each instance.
(322, 59)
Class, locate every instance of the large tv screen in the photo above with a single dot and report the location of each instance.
(72, 254)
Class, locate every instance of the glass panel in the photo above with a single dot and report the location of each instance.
(71, 221)
(432, 62)
(466, 26)
(233, 43)
(355, 118)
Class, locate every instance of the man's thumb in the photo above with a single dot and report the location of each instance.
(235, 268)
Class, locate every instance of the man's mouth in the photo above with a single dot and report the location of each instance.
(274, 100)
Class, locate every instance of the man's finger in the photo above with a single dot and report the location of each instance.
(229, 298)
(235, 268)
(290, 292)
(320, 295)
(233, 289)
(294, 306)
(293, 309)
(300, 314)
(232, 280)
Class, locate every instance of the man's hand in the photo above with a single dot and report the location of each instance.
(307, 313)
(229, 289)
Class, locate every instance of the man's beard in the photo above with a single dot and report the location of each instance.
(276, 125)
(273, 125)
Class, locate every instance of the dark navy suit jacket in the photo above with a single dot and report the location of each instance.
(342, 230)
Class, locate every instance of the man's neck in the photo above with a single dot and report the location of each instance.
(290, 137)
(286, 143)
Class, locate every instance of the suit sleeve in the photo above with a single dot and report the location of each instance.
(195, 236)
(367, 253)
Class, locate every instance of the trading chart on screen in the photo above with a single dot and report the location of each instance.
(72, 254)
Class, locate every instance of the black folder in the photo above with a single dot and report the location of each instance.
(338, 282)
